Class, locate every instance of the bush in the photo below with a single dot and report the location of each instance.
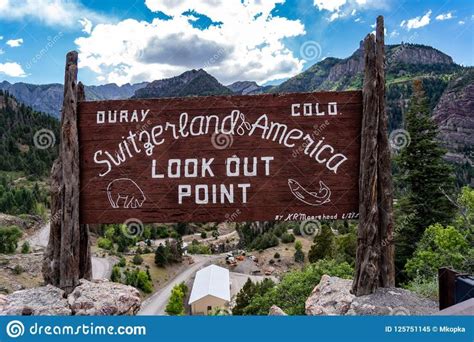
(287, 238)
(323, 245)
(25, 248)
(18, 270)
(203, 235)
(297, 230)
(116, 275)
(122, 262)
(199, 248)
(438, 247)
(9, 237)
(105, 243)
(345, 247)
(271, 262)
(175, 306)
(424, 287)
(299, 254)
(137, 259)
(295, 287)
(276, 255)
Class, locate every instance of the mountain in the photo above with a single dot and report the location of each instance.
(28, 139)
(48, 98)
(248, 88)
(190, 83)
(454, 114)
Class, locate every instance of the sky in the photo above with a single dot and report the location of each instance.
(266, 41)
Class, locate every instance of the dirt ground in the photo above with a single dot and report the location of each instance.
(30, 275)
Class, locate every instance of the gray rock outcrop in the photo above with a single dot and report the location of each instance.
(332, 296)
(98, 297)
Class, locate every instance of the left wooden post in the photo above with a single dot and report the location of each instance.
(67, 257)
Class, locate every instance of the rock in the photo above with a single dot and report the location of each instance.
(45, 300)
(392, 301)
(276, 311)
(332, 297)
(102, 297)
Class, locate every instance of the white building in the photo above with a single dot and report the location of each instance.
(211, 290)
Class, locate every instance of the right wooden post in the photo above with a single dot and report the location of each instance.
(375, 253)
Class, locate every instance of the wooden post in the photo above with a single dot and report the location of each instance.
(375, 252)
(385, 187)
(67, 258)
(368, 240)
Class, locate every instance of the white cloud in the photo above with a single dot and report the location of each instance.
(329, 5)
(1, 37)
(86, 25)
(1, 52)
(64, 13)
(461, 22)
(247, 45)
(394, 34)
(12, 69)
(417, 22)
(344, 8)
(444, 16)
(15, 42)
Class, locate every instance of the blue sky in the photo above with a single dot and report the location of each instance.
(262, 40)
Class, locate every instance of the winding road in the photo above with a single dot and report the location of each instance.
(101, 267)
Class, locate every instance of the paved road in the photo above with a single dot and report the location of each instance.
(101, 267)
(155, 305)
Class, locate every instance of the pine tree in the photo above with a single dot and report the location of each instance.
(423, 177)
(323, 245)
(160, 256)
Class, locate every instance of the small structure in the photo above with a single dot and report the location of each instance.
(211, 290)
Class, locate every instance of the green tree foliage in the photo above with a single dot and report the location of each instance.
(440, 246)
(116, 275)
(287, 238)
(175, 306)
(258, 235)
(323, 244)
(169, 253)
(293, 290)
(198, 248)
(18, 125)
(25, 248)
(248, 292)
(345, 246)
(105, 243)
(139, 279)
(16, 200)
(9, 237)
(137, 259)
(423, 176)
(299, 254)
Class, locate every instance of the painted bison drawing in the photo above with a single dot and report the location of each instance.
(125, 193)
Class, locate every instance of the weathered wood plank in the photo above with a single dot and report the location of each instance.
(368, 241)
(384, 178)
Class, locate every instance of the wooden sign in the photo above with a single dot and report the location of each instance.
(221, 158)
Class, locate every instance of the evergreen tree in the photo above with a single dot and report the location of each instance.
(323, 244)
(424, 176)
(160, 256)
(243, 298)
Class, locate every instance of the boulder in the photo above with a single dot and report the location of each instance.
(45, 300)
(332, 296)
(102, 297)
(276, 311)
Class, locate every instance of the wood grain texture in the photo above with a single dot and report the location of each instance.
(67, 257)
(384, 178)
(268, 197)
(368, 241)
